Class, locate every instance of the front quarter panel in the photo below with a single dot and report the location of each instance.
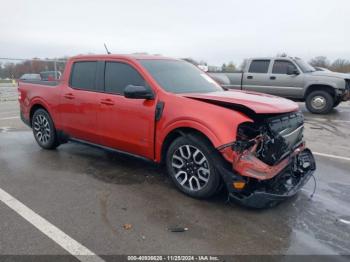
(334, 82)
(217, 123)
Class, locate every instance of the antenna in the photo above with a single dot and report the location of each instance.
(107, 49)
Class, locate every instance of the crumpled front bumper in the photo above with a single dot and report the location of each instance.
(270, 192)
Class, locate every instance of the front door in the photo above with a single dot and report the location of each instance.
(125, 124)
(284, 84)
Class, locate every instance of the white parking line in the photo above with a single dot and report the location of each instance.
(331, 156)
(7, 118)
(66, 242)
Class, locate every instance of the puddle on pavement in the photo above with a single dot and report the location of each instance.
(7, 129)
(124, 170)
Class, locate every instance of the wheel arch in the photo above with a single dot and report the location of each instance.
(320, 87)
(34, 108)
(174, 134)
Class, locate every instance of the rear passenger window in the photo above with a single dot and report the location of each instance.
(83, 75)
(120, 75)
(281, 67)
(259, 66)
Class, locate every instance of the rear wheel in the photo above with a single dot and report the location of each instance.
(191, 163)
(319, 102)
(44, 130)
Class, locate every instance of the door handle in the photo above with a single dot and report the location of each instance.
(272, 77)
(107, 101)
(69, 96)
(249, 77)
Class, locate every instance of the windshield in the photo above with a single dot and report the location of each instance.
(177, 76)
(305, 67)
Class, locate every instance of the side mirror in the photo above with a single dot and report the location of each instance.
(292, 71)
(138, 92)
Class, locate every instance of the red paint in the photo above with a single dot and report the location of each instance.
(129, 124)
(246, 164)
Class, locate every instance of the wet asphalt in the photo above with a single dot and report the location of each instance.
(90, 194)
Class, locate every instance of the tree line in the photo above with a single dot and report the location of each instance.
(338, 65)
(14, 69)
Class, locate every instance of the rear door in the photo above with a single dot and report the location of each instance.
(256, 78)
(80, 101)
(126, 124)
(283, 84)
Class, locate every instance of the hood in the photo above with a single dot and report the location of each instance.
(256, 102)
(330, 74)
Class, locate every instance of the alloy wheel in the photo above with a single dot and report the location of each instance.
(191, 167)
(42, 130)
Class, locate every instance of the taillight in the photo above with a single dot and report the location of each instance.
(19, 95)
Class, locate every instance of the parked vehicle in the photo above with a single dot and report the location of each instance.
(30, 77)
(291, 78)
(171, 112)
(50, 75)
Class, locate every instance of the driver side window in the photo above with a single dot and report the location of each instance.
(282, 67)
(119, 75)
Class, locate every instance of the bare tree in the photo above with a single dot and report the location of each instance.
(341, 65)
(230, 67)
(320, 61)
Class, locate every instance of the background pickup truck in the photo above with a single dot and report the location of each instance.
(291, 78)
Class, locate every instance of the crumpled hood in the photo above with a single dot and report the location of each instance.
(330, 74)
(257, 102)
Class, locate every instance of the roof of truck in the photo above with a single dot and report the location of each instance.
(270, 57)
(123, 56)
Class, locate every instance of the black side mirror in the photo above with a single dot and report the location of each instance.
(138, 92)
(292, 71)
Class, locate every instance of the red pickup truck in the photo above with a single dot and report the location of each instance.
(170, 112)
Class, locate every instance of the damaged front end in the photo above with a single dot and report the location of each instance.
(270, 161)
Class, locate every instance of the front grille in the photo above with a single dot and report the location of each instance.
(286, 134)
(285, 123)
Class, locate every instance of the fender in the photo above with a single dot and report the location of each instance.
(42, 102)
(318, 83)
(228, 135)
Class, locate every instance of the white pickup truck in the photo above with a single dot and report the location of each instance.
(291, 78)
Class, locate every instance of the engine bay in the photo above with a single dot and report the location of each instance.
(273, 138)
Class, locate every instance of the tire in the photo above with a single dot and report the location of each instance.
(190, 162)
(337, 102)
(44, 129)
(319, 102)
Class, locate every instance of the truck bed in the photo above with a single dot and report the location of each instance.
(40, 82)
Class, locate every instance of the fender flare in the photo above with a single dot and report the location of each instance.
(330, 85)
(39, 101)
(184, 123)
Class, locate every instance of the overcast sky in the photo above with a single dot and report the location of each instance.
(211, 30)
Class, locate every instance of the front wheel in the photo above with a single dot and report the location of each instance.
(44, 130)
(190, 162)
(337, 102)
(319, 102)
